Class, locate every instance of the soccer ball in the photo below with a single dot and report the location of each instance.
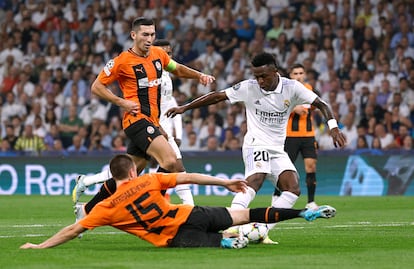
(254, 232)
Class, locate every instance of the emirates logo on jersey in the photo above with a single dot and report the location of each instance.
(150, 130)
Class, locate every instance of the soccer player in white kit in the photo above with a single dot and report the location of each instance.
(269, 100)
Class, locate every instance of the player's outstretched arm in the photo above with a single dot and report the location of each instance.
(64, 235)
(235, 185)
(338, 137)
(183, 71)
(204, 100)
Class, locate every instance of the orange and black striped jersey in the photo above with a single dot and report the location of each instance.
(300, 125)
(138, 207)
(140, 80)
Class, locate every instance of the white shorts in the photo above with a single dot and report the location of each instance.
(264, 160)
(174, 145)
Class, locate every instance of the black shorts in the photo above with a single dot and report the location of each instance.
(141, 134)
(305, 145)
(202, 227)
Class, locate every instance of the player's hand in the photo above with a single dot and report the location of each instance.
(174, 111)
(206, 79)
(29, 245)
(236, 185)
(301, 110)
(338, 138)
(130, 107)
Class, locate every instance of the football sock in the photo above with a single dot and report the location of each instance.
(286, 200)
(242, 200)
(184, 192)
(311, 185)
(162, 170)
(107, 189)
(97, 178)
(272, 215)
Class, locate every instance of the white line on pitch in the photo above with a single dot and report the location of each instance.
(284, 227)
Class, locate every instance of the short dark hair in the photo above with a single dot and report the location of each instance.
(161, 43)
(264, 58)
(296, 65)
(141, 21)
(120, 166)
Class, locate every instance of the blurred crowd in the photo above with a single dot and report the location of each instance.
(358, 54)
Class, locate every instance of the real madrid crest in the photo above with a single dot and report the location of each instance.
(287, 103)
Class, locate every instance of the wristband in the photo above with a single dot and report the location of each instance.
(332, 124)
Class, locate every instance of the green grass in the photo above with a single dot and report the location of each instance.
(368, 232)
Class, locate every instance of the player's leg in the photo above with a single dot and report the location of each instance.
(310, 159)
(292, 148)
(285, 177)
(183, 190)
(273, 215)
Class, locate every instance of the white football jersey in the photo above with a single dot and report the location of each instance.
(168, 101)
(268, 112)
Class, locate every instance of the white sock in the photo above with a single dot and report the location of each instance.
(184, 192)
(242, 200)
(286, 199)
(152, 170)
(274, 198)
(97, 178)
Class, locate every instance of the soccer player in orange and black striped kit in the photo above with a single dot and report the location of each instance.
(138, 72)
(137, 207)
(300, 137)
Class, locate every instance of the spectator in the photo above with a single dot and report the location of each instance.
(12, 108)
(407, 143)
(80, 84)
(376, 143)
(29, 143)
(69, 126)
(212, 144)
(386, 139)
(225, 40)
(38, 127)
(10, 137)
(51, 136)
(5, 148)
(191, 142)
(207, 60)
(362, 143)
(259, 13)
(76, 146)
(118, 144)
(244, 25)
(93, 110)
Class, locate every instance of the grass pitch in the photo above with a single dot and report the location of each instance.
(368, 232)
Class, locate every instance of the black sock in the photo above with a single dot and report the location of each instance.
(272, 215)
(107, 189)
(311, 185)
(162, 170)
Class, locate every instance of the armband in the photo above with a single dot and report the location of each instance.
(332, 123)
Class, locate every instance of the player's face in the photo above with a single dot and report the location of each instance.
(298, 74)
(266, 76)
(143, 38)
